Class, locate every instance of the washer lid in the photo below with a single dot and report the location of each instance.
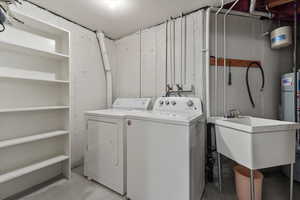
(122, 106)
(166, 117)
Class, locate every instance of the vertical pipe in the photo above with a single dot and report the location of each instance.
(216, 58)
(252, 5)
(295, 88)
(185, 48)
(295, 62)
(140, 58)
(219, 171)
(181, 49)
(225, 68)
(292, 181)
(167, 52)
(174, 52)
(216, 64)
(225, 56)
(258, 13)
(207, 62)
(252, 188)
(171, 51)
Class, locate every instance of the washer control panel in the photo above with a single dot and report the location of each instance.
(178, 104)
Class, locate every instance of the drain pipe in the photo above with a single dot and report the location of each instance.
(258, 13)
(216, 57)
(107, 68)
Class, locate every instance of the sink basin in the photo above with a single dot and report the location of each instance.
(256, 143)
(256, 125)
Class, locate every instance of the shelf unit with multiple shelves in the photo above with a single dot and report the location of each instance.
(34, 110)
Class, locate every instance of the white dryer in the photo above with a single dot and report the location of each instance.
(166, 151)
(105, 151)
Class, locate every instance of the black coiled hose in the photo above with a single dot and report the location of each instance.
(247, 80)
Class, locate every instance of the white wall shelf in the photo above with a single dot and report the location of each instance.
(36, 92)
(33, 138)
(34, 109)
(29, 169)
(35, 79)
(37, 26)
(31, 51)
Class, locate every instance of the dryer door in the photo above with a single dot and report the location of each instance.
(104, 154)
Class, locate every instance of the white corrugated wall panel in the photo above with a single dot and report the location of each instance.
(153, 61)
(128, 61)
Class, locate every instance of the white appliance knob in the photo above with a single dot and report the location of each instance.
(190, 103)
(167, 103)
(173, 103)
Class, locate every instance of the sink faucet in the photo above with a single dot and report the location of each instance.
(233, 113)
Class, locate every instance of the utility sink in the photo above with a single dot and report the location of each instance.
(256, 143)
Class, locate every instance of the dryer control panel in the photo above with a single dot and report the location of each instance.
(178, 104)
(132, 103)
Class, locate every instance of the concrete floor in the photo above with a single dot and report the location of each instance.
(78, 188)
(276, 187)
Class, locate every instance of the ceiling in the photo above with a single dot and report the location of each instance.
(118, 18)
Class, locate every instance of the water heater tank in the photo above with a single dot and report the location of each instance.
(281, 37)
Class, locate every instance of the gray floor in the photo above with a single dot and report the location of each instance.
(78, 188)
(276, 187)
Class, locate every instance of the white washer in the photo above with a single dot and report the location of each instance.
(106, 148)
(166, 151)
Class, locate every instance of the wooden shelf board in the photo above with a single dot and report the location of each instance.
(276, 3)
(33, 109)
(232, 62)
(31, 168)
(28, 139)
(284, 12)
(34, 79)
(31, 51)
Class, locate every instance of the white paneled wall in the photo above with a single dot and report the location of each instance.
(177, 52)
(89, 88)
(195, 56)
(128, 77)
(171, 53)
(153, 62)
(185, 51)
(245, 40)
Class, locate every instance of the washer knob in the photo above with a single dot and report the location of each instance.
(190, 103)
(167, 103)
(173, 103)
(161, 102)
